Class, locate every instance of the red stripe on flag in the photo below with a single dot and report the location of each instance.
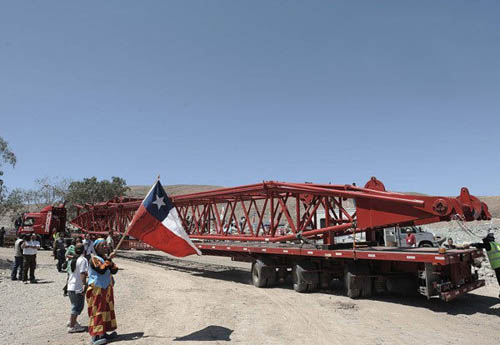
(148, 229)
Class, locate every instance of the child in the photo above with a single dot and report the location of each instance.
(77, 284)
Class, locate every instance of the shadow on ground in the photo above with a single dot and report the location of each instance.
(213, 271)
(210, 333)
(467, 304)
(129, 336)
(5, 264)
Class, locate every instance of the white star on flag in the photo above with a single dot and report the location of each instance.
(159, 202)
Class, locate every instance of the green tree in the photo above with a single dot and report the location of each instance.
(6, 157)
(92, 191)
(50, 190)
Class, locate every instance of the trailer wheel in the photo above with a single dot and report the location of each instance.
(357, 281)
(305, 277)
(263, 275)
(352, 289)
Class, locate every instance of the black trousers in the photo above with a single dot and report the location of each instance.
(497, 272)
(29, 263)
(60, 260)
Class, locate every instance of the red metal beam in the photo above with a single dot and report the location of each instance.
(375, 208)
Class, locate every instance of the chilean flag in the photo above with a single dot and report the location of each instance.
(157, 223)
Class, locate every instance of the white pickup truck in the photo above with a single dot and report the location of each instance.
(396, 236)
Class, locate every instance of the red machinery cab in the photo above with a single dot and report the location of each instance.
(49, 220)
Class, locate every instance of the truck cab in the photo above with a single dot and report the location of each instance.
(49, 220)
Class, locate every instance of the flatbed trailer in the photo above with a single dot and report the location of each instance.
(434, 274)
(276, 226)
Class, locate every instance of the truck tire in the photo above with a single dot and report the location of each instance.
(353, 290)
(425, 244)
(357, 281)
(305, 277)
(263, 275)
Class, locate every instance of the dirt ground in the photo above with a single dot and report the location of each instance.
(161, 300)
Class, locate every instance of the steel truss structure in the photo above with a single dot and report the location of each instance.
(280, 211)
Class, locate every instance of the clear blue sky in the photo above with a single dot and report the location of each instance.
(236, 92)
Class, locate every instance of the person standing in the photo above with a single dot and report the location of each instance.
(493, 251)
(2, 236)
(59, 251)
(411, 240)
(88, 246)
(30, 249)
(69, 255)
(100, 299)
(18, 259)
(110, 242)
(77, 284)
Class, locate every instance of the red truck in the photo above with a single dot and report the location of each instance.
(315, 217)
(45, 224)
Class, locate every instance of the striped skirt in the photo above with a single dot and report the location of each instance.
(101, 308)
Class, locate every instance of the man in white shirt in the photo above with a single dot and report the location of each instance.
(77, 285)
(88, 246)
(30, 249)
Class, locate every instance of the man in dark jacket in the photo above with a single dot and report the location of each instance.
(493, 251)
(2, 236)
(59, 251)
(18, 259)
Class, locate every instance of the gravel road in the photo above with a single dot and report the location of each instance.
(161, 300)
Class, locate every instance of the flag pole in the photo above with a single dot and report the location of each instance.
(113, 254)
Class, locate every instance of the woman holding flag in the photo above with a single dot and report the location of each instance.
(99, 294)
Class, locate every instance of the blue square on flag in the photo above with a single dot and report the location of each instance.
(157, 202)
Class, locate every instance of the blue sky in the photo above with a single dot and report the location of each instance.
(236, 92)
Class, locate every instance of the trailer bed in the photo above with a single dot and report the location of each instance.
(425, 255)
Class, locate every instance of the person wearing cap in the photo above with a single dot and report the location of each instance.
(100, 299)
(411, 240)
(448, 244)
(77, 284)
(493, 251)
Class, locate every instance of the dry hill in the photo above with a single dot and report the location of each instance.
(176, 189)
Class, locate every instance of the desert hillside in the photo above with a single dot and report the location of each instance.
(176, 189)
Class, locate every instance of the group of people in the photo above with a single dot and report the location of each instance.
(25, 250)
(89, 268)
(91, 280)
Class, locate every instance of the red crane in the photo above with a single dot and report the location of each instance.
(293, 227)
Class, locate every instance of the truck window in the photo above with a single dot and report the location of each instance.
(29, 222)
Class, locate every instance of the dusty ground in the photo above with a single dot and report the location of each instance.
(210, 300)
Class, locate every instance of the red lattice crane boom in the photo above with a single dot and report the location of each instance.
(280, 211)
